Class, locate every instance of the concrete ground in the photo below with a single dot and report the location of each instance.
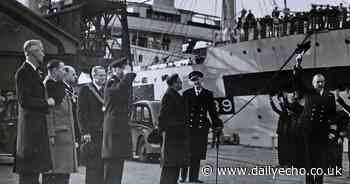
(230, 156)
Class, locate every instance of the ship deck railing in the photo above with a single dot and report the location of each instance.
(280, 28)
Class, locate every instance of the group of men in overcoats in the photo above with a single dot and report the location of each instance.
(46, 127)
(46, 140)
(45, 130)
(184, 124)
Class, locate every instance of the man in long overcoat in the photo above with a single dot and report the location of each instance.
(71, 87)
(172, 123)
(318, 122)
(60, 127)
(90, 118)
(282, 129)
(117, 145)
(198, 102)
(32, 149)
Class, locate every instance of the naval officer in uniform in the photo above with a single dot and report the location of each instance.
(317, 121)
(198, 103)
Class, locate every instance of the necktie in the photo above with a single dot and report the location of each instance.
(197, 90)
(39, 72)
(101, 91)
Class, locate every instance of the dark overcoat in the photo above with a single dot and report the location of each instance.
(316, 120)
(90, 119)
(282, 132)
(32, 149)
(116, 130)
(198, 124)
(61, 126)
(172, 122)
(295, 137)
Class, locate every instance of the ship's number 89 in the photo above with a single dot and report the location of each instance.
(224, 105)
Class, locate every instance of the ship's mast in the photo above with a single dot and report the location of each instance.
(285, 4)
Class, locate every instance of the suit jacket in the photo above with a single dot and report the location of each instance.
(32, 149)
(90, 118)
(172, 122)
(198, 124)
(116, 130)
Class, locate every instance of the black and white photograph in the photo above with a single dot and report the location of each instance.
(174, 91)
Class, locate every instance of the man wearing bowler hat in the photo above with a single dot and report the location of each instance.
(198, 103)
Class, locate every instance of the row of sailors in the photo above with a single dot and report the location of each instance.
(250, 28)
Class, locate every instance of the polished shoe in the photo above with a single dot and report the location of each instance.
(196, 181)
(182, 181)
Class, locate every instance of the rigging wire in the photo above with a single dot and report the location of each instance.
(272, 78)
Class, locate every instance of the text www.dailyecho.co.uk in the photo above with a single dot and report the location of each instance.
(209, 170)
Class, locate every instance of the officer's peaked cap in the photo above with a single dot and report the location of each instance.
(194, 75)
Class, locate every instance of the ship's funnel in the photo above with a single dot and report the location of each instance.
(164, 3)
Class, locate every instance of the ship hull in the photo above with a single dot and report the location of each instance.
(255, 62)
